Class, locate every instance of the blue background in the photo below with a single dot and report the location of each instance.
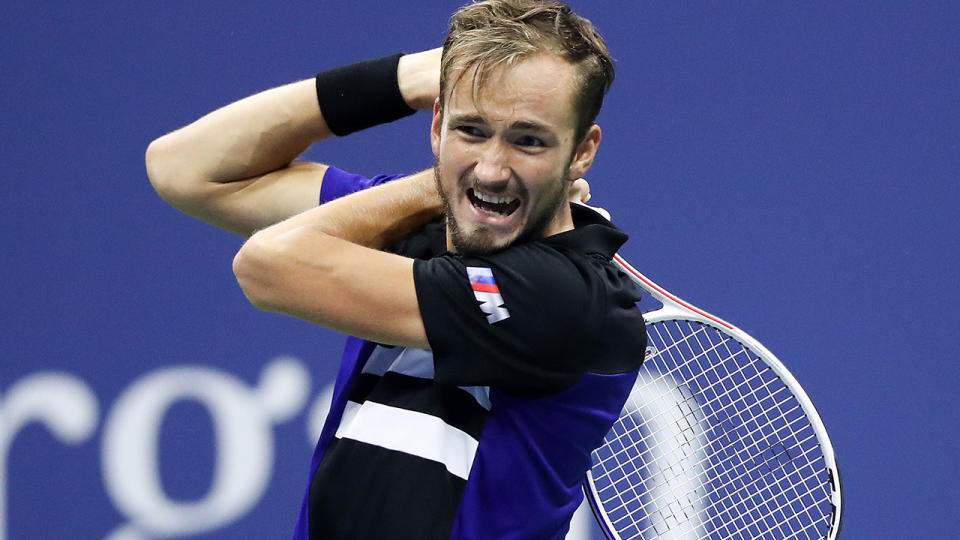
(789, 166)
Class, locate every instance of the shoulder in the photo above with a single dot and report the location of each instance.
(557, 300)
(532, 274)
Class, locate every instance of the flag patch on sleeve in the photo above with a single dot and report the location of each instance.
(487, 293)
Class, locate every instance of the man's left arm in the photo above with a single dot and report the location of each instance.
(326, 266)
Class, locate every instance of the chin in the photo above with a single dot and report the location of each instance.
(479, 244)
(479, 241)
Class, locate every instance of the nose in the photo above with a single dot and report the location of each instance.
(492, 167)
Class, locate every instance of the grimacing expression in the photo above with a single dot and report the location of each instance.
(505, 155)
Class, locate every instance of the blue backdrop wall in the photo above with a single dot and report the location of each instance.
(789, 166)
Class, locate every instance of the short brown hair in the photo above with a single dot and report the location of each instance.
(496, 33)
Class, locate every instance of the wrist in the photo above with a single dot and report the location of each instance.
(429, 194)
(361, 95)
(418, 76)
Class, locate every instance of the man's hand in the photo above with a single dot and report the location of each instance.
(580, 194)
(418, 75)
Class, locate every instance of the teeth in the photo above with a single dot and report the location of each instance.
(491, 198)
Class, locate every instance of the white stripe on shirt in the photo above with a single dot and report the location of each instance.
(409, 432)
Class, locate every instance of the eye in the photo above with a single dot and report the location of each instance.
(529, 141)
(470, 131)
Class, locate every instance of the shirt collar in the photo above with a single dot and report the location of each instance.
(592, 233)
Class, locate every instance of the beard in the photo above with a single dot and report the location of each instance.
(483, 240)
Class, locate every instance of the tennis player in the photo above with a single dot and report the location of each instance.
(495, 340)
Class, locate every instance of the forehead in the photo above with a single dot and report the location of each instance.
(538, 89)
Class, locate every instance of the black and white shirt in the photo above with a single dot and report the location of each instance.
(533, 351)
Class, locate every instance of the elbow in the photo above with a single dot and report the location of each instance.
(166, 172)
(157, 160)
(251, 267)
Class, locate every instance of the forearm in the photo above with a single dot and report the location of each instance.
(265, 132)
(234, 167)
(318, 265)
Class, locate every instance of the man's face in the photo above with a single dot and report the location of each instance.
(505, 161)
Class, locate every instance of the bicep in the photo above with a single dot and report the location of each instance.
(335, 284)
(245, 206)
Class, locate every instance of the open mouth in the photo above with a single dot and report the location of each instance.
(491, 204)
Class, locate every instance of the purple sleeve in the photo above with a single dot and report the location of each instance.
(338, 183)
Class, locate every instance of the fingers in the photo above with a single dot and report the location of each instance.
(580, 191)
(418, 76)
(580, 194)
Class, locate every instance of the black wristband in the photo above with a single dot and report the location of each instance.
(361, 95)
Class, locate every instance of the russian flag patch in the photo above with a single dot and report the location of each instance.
(487, 293)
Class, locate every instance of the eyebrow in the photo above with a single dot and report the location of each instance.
(530, 126)
(524, 125)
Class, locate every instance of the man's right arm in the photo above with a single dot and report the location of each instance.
(234, 168)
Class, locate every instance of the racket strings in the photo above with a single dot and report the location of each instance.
(646, 488)
(770, 455)
(782, 520)
(634, 406)
(719, 455)
(633, 433)
(719, 516)
(663, 480)
(771, 511)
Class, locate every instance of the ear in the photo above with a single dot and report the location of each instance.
(435, 127)
(584, 153)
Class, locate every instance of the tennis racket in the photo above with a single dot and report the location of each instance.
(717, 440)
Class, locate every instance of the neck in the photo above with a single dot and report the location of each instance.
(561, 222)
